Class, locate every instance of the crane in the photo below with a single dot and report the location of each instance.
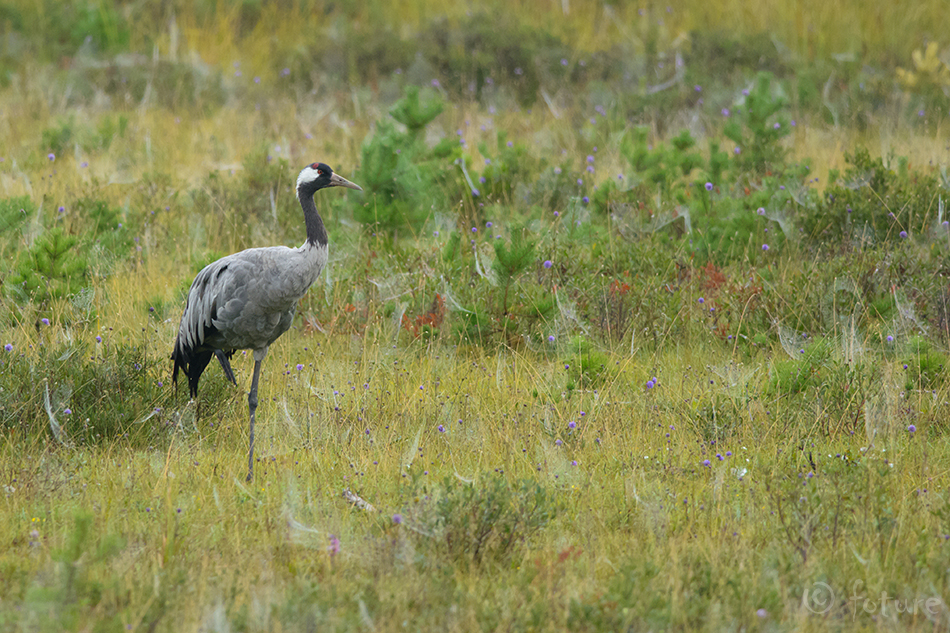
(248, 299)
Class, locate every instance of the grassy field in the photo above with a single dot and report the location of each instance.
(642, 321)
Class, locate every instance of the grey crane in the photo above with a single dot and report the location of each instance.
(248, 299)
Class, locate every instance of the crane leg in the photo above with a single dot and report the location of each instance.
(252, 407)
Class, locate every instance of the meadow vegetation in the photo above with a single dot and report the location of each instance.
(641, 322)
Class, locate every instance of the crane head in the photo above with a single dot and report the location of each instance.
(319, 175)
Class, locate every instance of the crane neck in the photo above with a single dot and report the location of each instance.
(316, 231)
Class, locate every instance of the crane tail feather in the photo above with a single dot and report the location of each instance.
(196, 367)
(225, 359)
(192, 363)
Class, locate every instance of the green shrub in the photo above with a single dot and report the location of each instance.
(872, 202)
(96, 392)
(403, 178)
(924, 367)
(796, 375)
(759, 127)
(486, 50)
(588, 367)
(52, 268)
(511, 260)
(666, 166)
(488, 521)
(507, 166)
(14, 212)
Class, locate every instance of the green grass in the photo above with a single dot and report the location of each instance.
(566, 414)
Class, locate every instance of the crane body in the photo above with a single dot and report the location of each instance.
(248, 299)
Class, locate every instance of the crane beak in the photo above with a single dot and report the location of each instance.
(336, 180)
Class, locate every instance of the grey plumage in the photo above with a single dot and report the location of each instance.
(248, 299)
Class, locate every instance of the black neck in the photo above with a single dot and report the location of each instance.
(316, 232)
